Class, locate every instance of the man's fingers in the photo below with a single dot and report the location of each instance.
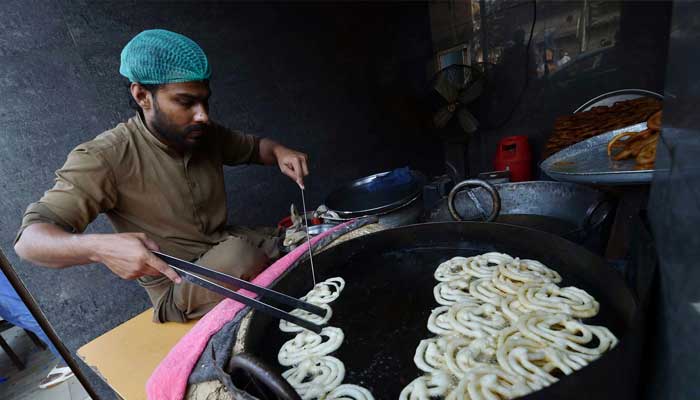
(147, 242)
(150, 244)
(298, 172)
(287, 171)
(304, 165)
(151, 271)
(158, 264)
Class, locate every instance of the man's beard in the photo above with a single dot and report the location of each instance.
(172, 134)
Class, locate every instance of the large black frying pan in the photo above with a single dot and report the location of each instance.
(388, 297)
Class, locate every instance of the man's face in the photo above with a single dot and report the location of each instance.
(180, 113)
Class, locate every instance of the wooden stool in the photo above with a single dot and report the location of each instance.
(126, 356)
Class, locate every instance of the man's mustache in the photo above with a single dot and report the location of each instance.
(198, 127)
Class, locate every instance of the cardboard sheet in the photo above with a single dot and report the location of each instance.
(127, 355)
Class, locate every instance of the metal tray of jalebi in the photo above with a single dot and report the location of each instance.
(588, 162)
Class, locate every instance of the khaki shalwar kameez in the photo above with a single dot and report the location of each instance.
(177, 200)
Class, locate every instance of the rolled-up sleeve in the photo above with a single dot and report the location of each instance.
(84, 187)
(238, 147)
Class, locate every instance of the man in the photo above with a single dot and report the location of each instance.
(159, 179)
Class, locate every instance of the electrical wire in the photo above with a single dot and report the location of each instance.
(519, 4)
(527, 70)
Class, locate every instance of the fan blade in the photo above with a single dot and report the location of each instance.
(467, 120)
(470, 93)
(444, 86)
(442, 117)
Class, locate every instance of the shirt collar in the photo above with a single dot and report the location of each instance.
(151, 137)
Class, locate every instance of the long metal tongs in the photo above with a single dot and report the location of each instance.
(190, 272)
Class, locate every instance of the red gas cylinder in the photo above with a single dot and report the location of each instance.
(514, 154)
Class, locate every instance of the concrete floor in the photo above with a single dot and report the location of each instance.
(23, 385)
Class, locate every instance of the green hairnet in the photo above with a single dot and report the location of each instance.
(158, 56)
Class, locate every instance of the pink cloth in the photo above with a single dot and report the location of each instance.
(169, 380)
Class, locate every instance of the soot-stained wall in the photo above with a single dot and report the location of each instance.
(634, 57)
(340, 82)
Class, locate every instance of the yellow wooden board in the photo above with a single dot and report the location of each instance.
(126, 356)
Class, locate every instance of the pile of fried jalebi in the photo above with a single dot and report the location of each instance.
(505, 329)
(571, 129)
(638, 145)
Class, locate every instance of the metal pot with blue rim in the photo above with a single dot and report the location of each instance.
(395, 197)
(575, 212)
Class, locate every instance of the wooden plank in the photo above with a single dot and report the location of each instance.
(126, 356)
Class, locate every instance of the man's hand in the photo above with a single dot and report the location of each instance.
(129, 256)
(292, 163)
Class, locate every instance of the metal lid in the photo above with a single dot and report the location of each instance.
(376, 194)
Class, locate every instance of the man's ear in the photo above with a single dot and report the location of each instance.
(141, 96)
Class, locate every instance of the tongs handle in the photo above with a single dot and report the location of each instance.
(241, 283)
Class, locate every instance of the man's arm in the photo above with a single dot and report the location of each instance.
(291, 162)
(239, 148)
(128, 255)
(50, 234)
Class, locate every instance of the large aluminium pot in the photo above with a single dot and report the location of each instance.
(388, 297)
(576, 212)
